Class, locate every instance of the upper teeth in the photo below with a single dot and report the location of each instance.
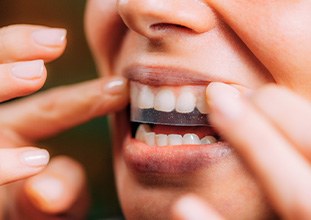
(166, 99)
(145, 135)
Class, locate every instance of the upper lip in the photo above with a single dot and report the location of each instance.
(169, 76)
(171, 160)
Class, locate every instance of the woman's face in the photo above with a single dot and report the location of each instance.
(171, 50)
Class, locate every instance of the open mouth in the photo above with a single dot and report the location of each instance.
(170, 116)
(170, 131)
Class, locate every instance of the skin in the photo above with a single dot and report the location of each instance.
(250, 58)
(253, 50)
(226, 184)
(21, 126)
(270, 108)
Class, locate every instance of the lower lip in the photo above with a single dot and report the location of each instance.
(171, 159)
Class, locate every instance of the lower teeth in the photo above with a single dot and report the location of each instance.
(145, 135)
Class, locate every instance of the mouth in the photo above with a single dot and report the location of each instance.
(170, 131)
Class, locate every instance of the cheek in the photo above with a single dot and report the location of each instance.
(104, 31)
(298, 81)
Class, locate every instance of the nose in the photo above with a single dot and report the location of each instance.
(153, 18)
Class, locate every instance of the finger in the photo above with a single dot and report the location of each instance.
(30, 42)
(277, 32)
(281, 170)
(21, 78)
(289, 112)
(190, 207)
(61, 108)
(19, 163)
(60, 190)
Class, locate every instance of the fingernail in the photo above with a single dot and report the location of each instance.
(50, 36)
(35, 157)
(115, 86)
(224, 99)
(188, 208)
(28, 70)
(47, 188)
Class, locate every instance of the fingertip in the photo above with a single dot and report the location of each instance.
(50, 37)
(57, 188)
(21, 78)
(224, 99)
(35, 157)
(115, 85)
(190, 207)
(116, 93)
(30, 42)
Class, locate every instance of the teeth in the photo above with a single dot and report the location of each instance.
(183, 99)
(174, 139)
(141, 131)
(161, 140)
(145, 98)
(150, 138)
(185, 102)
(165, 100)
(145, 135)
(191, 139)
(202, 105)
(208, 140)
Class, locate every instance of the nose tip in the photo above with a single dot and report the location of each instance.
(153, 18)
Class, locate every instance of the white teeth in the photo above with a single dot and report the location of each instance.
(165, 100)
(141, 131)
(185, 101)
(150, 138)
(174, 139)
(145, 135)
(145, 98)
(191, 139)
(208, 140)
(161, 140)
(202, 105)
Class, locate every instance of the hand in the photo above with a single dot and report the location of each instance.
(272, 134)
(60, 187)
(270, 131)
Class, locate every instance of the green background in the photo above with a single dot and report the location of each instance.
(88, 143)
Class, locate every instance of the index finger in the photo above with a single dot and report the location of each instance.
(51, 112)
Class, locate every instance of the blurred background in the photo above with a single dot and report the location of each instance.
(88, 143)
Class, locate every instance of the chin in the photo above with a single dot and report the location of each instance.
(164, 145)
(150, 179)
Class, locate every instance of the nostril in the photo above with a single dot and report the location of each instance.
(169, 26)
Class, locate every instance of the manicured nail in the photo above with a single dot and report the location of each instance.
(28, 70)
(115, 86)
(47, 188)
(50, 36)
(35, 157)
(189, 208)
(225, 99)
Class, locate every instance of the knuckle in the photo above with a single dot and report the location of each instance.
(14, 43)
